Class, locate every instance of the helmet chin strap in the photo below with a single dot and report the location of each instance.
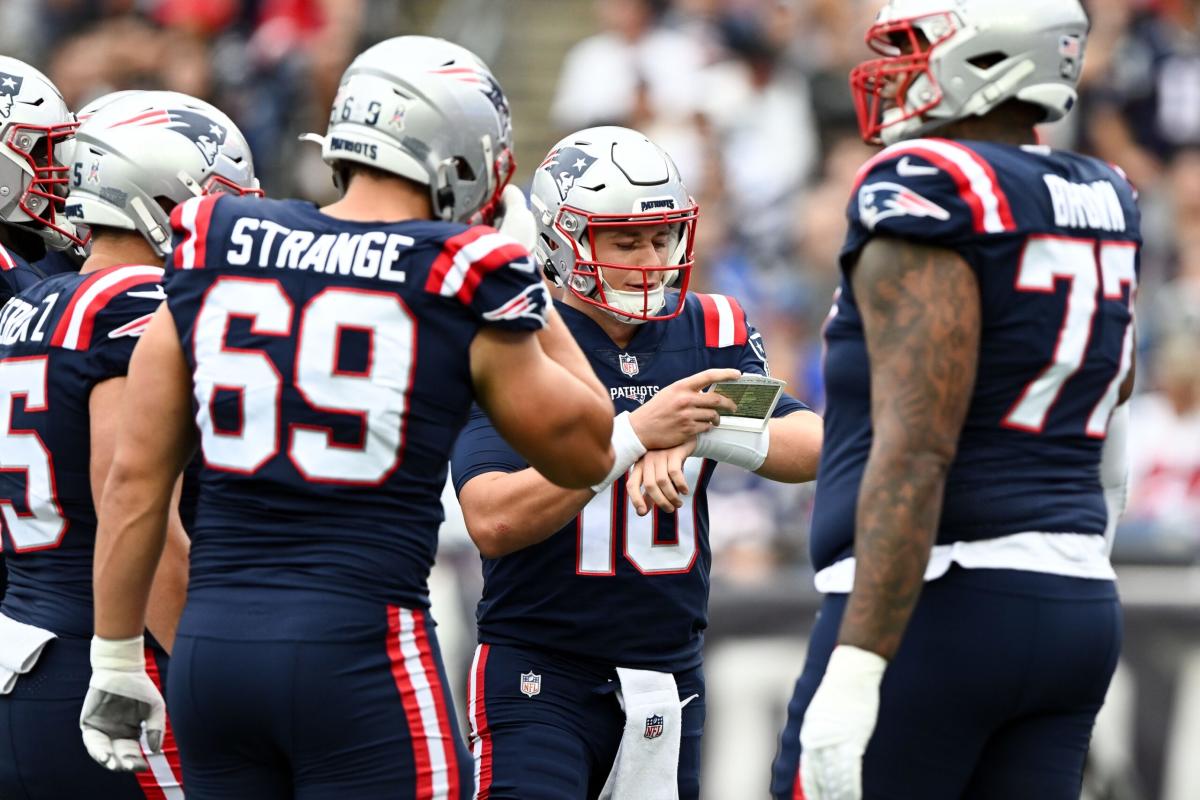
(644, 303)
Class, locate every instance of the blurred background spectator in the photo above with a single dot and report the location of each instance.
(751, 98)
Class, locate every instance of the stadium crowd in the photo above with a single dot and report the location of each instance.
(750, 98)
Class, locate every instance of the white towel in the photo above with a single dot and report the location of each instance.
(647, 762)
(20, 646)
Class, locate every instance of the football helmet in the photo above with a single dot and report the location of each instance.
(35, 131)
(141, 154)
(429, 111)
(946, 60)
(604, 178)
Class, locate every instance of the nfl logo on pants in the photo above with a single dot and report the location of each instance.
(654, 726)
(531, 684)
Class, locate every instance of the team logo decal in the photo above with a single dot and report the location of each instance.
(879, 201)
(654, 726)
(207, 135)
(10, 87)
(531, 684)
(567, 165)
(629, 364)
(760, 350)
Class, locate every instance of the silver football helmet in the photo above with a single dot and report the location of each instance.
(946, 60)
(429, 111)
(141, 154)
(35, 135)
(607, 177)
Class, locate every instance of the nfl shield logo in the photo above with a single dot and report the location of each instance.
(654, 726)
(629, 365)
(531, 684)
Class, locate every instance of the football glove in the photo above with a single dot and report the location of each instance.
(120, 698)
(839, 723)
(515, 219)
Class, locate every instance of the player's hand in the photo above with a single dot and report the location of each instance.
(838, 725)
(660, 472)
(683, 409)
(514, 219)
(120, 698)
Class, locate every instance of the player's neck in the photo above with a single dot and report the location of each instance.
(1010, 123)
(112, 248)
(371, 199)
(621, 333)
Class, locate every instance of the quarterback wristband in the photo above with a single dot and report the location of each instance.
(120, 655)
(745, 449)
(627, 446)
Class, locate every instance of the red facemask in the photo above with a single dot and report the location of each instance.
(45, 197)
(884, 83)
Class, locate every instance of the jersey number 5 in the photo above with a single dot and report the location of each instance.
(1047, 259)
(23, 454)
(376, 394)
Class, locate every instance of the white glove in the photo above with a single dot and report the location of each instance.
(839, 723)
(516, 220)
(120, 698)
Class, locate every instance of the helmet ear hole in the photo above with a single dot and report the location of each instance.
(463, 169)
(987, 60)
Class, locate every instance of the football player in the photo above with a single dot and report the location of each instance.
(36, 129)
(65, 346)
(978, 347)
(595, 600)
(328, 358)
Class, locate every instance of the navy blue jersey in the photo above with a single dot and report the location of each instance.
(58, 340)
(331, 377)
(1053, 239)
(624, 589)
(16, 274)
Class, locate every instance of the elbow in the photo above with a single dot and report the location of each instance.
(492, 538)
(585, 454)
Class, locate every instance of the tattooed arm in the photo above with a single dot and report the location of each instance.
(921, 317)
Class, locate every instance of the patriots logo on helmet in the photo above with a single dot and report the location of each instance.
(567, 165)
(10, 87)
(879, 201)
(207, 135)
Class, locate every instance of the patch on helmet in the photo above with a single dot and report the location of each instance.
(647, 204)
(879, 201)
(567, 165)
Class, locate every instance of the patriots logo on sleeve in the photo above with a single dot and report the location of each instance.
(879, 201)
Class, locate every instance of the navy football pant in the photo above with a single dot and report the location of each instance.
(992, 695)
(559, 743)
(319, 720)
(41, 751)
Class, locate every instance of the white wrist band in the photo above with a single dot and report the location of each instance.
(124, 655)
(626, 445)
(745, 449)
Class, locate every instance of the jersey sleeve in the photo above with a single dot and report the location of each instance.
(481, 449)
(929, 190)
(493, 276)
(753, 360)
(107, 315)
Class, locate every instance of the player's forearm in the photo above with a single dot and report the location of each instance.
(129, 542)
(506, 512)
(795, 448)
(899, 505)
(169, 589)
